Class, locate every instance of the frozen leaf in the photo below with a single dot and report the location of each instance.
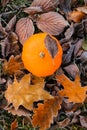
(76, 16)
(25, 94)
(83, 121)
(52, 23)
(13, 66)
(44, 114)
(24, 29)
(14, 125)
(82, 9)
(52, 48)
(11, 24)
(72, 70)
(32, 10)
(72, 89)
(46, 5)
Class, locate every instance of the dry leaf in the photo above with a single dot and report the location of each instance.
(3, 33)
(4, 2)
(11, 24)
(46, 5)
(83, 121)
(63, 123)
(24, 29)
(33, 10)
(25, 94)
(44, 114)
(82, 9)
(51, 22)
(13, 66)
(76, 16)
(14, 125)
(72, 89)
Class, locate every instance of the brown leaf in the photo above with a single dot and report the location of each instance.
(46, 5)
(13, 66)
(3, 33)
(63, 123)
(11, 24)
(33, 10)
(14, 125)
(52, 48)
(4, 2)
(25, 94)
(85, 2)
(82, 9)
(52, 23)
(44, 114)
(83, 121)
(76, 16)
(72, 89)
(24, 29)
(72, 70)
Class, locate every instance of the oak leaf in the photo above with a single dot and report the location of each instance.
(24, 29)
(13, 66)
(72, 89)
(25, 94)
(44, 114)
(52, 23)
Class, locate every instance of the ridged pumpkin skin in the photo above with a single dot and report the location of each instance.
(37, 58)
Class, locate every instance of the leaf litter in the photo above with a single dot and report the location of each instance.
(52, 102)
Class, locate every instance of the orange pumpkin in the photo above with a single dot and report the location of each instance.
(42, 54)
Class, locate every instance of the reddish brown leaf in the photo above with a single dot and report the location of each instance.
(76, 16)
(4, 2)
(11, 24)
(72, 89)
(24, 29)
(3, 33)
(46, 5)
(44, 114)
(14, 125)
(83, 121)
(52, 23)
(63, 123)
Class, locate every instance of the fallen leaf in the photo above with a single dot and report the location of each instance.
(82, 9)
(72, 70)
(14, 125)
(25, 94)
(72, 89)
(46, 5)
(3, 33)
(13, 66)
(83, 121)
(44, 114)
(85, 2)
(4, 2)
(24, 29)
(76, 16)
(52, 23)
(11, 24)
(63, 123)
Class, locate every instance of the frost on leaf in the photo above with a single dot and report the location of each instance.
(24, 29)
(51, 45)
(46, 5)
(44, 114)
(13, 66)
(24, 93)
(52, 23)
(72, 89)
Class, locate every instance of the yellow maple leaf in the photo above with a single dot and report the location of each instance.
(44, 114)
(25, 94)
(72, 89)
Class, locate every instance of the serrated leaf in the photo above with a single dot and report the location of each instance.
(52, 23)
(24, 29)
(44, 114)
(46, 5)
(24, 93)
(72, 89)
